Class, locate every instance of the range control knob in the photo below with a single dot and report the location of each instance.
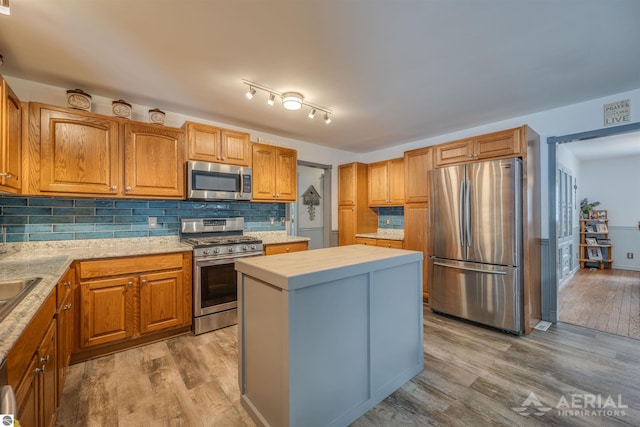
(244, 248)
(206, 251)
(253, 247)
(216, 250)
(230, 248)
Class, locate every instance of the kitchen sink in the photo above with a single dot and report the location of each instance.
(13, 291)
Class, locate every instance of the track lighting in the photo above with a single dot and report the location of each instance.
(290, 100)
(4, 7)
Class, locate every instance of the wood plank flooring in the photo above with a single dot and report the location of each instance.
(606, 300)
(473, 376)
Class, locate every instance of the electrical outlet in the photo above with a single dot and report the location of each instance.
(388, 221)
(629, 255)
(153, 222)
(271, 220)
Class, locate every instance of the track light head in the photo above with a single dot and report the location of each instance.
(327, 119)
(312, 113)
(271, 99)
(251, 92)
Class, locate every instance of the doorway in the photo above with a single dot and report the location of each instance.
(600, 295)
(311, 214)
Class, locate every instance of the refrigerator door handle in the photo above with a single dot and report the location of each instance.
(461, 218)
(477, 270)
(469, 207)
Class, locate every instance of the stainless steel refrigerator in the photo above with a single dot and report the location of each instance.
(476, 226)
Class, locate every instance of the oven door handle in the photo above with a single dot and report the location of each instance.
(218, 261)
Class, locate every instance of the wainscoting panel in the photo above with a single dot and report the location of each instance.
(625, 240)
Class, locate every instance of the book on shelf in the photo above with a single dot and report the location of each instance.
(591, 241)
(589, 228)
(604, 242)
(594, 254)
(601, 227)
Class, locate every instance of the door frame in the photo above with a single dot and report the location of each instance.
(326, 195)
(550, 286)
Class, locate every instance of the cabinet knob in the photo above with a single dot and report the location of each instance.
(45, 359)
(67, 284)
(277, 196)
(143, 282)
(129, 284)
(5, 175)
(114, 187)
(223, 158)
(67, 307)
(288, 249)
(41, 369)
(128, 188)
(218, 158)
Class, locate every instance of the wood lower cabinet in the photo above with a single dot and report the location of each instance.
(10, 140)
(494, 145)
(386, 183)
(416, 237)
(75, 152)
(384, 243)
(367, 241)
(32, 367)
(65, 314)
(125, 300)
(354, 214)
(285, 248)
(275, 176)
(212, 144)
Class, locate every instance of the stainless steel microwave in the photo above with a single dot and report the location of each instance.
(215, 181)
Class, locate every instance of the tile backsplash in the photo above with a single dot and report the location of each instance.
(28, 219)
(395, 215)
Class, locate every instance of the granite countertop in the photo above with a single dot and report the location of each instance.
(276, 237)
(50, 260)
(384, 233)
(305, 268)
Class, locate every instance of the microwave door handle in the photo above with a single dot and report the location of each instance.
(241, 192)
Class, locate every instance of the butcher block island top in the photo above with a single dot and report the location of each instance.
(325, 335)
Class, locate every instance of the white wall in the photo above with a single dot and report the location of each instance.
(580, 117)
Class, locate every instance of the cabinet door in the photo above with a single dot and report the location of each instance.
(417, 178)
(347, 184)
(346, 225)
(235, 148)
(161, 301)
(286, 174)
(106, 310)
(47, 384)
(10, 141)
(65, 318)
(79, 153)
(379, 184)
(203, 142)
(416, 237)
(154, 161)
(497, 144)
(264, 172)
(27, 394)
(454, 152)
(396, 181)
(385, 243)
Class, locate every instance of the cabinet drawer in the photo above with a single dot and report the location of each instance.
(398, 244)
(120, 266)
(284, 248)
(366, 241)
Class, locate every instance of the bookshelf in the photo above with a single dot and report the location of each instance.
(595, 245)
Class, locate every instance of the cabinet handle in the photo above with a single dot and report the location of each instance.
(129, 284)
(40, 370)
(67, 307)
(143, 282)
(67, 284)
(128, 188)
(218, 158)
(223, 158)
(45, 359)
(114, 187)
(5, 175)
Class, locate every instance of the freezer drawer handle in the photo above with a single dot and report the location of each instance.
(478, 270)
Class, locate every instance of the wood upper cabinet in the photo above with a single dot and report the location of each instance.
(386, 183)
(10, 140)
(274, 173)
(123, 299)
(75, 151)
(347, 182)
(212, 144)
(417, 180)
(154, 161)
(490, 146)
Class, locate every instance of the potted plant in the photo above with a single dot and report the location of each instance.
(586, 207)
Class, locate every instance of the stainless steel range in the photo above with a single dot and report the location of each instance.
(216, 242)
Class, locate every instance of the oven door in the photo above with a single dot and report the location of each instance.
(215, 286)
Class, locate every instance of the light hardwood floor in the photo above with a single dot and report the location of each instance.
(473, 376)
(606, 300)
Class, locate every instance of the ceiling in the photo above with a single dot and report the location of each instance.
(390, 71)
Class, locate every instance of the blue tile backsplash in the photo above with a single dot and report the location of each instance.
(29, 219)
(395, 215)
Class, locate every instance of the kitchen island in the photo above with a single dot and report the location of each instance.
(325, 335)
